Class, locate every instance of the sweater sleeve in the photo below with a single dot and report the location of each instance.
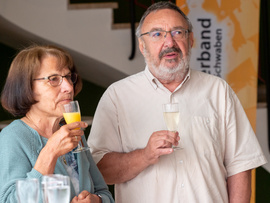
(18, 154)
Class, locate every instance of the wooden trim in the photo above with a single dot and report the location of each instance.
(112, 5)
(261, 105)
(116, 26)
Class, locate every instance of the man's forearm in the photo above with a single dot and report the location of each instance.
(121, 167)
(239, 187)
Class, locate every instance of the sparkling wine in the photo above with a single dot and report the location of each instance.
(171, 120)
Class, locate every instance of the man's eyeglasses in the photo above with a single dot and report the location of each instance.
(56, 80)
(160, 35)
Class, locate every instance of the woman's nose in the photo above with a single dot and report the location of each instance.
(67, 85)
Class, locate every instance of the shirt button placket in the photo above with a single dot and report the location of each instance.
(182, 185)
(180, 177)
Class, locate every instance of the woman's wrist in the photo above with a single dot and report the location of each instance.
(100, 197)
(46, 162)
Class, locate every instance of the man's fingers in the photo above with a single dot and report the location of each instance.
(167, 140)
(164, 151)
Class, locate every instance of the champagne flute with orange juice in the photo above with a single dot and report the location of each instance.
(71, 113)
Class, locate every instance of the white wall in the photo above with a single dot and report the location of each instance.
(87, 32)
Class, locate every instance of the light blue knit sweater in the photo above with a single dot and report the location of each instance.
(20, 146)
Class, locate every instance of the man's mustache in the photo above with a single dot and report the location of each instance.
(169, 50)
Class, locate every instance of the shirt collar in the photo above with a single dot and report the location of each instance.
(155, 82)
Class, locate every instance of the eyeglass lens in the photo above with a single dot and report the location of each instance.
(56, 80)
(161, 35)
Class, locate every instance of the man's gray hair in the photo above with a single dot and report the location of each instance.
(159, 6)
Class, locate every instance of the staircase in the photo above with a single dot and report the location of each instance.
(100, 51)
(121, 8)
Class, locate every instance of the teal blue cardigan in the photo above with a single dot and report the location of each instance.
(20, 146)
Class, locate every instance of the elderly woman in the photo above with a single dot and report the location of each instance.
(41, 79)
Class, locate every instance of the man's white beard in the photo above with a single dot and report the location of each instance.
(169, 74)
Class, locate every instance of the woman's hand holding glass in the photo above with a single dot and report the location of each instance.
(67, 137)
(60, 143)
(71, 112)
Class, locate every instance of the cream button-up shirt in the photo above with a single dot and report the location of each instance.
(216, 137)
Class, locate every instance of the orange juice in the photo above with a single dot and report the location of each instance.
(72, 117)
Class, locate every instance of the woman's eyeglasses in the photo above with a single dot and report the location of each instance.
(56, 80)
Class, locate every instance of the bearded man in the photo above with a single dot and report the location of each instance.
(132, 146)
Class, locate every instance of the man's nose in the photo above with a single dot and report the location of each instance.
(168, 39)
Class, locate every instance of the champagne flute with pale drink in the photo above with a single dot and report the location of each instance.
(171, 118)
(71, 113)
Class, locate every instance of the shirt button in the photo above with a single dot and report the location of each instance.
(182, 185)
(181, 161)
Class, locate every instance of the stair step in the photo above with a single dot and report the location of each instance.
(121, 9)
(113, 5)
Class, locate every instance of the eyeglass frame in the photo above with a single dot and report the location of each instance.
(183, 29)
(60, 82)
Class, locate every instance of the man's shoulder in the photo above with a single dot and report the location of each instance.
(205, 81)
(203, 74)
(129, 80)
(196, 74)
